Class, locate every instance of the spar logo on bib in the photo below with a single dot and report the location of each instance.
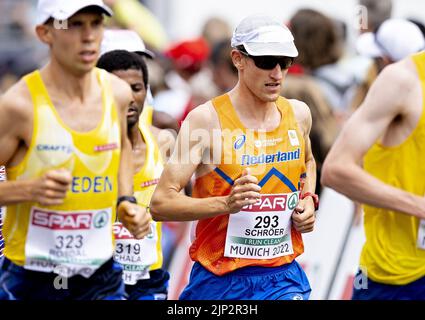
(120, 232)
(274, 202)
(100, 219)
(293, 201)
(69, 220)
(61, 221)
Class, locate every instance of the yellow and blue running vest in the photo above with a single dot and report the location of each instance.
(75, 237)
(139, 256)
(394, 252)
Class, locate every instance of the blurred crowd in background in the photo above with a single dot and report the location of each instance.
(328, 75)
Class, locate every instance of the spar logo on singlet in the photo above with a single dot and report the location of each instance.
(272, 202)
(69, 220)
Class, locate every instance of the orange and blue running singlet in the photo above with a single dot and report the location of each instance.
(260, 234)
(74, 237)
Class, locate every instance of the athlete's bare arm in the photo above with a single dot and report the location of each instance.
(165, 140)
(303, 218)
(133, 217)
(163, 120)
(16, 125)
(169, 204)
(396, 93)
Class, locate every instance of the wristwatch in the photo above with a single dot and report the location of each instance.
(131, 199)
(315, 198)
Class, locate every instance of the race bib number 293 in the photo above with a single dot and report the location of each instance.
(262, 230)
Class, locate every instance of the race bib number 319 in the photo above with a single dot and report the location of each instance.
(262, 230)
(135, 256)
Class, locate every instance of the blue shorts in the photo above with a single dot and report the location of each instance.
(154, 288)
(17, 283)
(380, 291)
(287, 282)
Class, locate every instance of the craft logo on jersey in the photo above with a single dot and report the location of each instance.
(55, 148)
(273, 202)
(62, 221)
(239, 142)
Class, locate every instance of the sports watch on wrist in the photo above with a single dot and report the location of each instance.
(315, 198)
(131, 199)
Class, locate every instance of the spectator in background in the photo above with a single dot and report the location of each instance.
(377, 12)
(394, 40)
(225, 74)
(320, 46)
(131, 14)
(216, 30)
(185, 86)
(419, 24)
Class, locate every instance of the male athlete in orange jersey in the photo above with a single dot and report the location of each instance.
(68, 159)
(255, 177)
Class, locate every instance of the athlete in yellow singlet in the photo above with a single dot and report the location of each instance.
(388, 132)
(255, 177)
(129, 40)
(67, 155)
(142, 259)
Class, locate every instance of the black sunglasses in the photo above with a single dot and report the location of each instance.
(270, 62)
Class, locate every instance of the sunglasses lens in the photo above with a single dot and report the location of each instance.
(286, 62)
(270, 62)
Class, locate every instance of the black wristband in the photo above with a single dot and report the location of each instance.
(131, 199)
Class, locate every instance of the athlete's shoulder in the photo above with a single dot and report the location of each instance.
(300, 109)
(120, 89)
(401, 74)
(165, 139)
(203, 116)
(16, 102)
(302, 114)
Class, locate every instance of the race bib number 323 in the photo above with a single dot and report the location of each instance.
(68, 242)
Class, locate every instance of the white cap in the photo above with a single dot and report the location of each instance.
(395, 39)
(64, 9)
(262, 35)
(129, 40)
